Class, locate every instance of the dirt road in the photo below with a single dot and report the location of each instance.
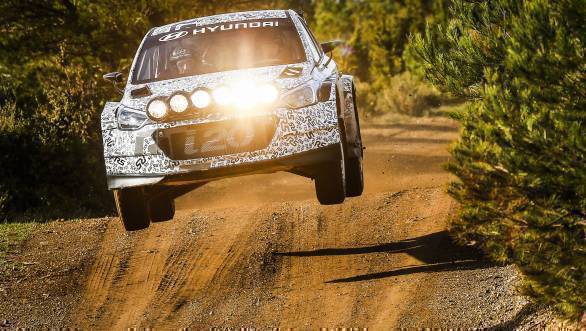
(260, 251)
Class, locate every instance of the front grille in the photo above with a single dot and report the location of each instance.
(217, 138)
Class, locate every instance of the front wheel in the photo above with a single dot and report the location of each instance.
(161, 210)
(132, 207)
(330, 182)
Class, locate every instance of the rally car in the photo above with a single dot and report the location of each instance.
(229, 95)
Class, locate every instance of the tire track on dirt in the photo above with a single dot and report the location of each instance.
(102, 273)
(141, 281)
(317, 258)
(259, 251)
(136, 257)
(238, 282)
(208, 261)
(272, 262)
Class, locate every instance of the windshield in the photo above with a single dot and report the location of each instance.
(221, 47)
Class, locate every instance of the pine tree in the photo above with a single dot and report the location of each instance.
(520, 159)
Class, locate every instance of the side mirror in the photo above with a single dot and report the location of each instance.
(115, 77)
(329, 46)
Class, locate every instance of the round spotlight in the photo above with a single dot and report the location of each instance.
(179, 103)
(267, 93)
(222, 95)
(157, 109)
(201, 99)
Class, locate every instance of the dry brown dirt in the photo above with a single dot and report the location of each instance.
(259, 251)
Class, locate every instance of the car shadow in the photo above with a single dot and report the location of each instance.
(437, 251)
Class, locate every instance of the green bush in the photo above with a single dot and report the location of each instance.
(521, 157)
(50, 156)
(376, 31)
(402, 94)
(377, 51)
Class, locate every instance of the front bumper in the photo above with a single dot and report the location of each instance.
(133, 158)
(300, 163)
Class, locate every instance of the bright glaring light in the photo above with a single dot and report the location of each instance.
(267, 93)
(223, 96)
(157, 109)
(179, 103)
(244, 95)
(201, 99)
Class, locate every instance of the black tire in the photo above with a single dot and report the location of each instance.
(354, 177)
(132, 208)
(354, 166)
(161, 210)
(330, 181)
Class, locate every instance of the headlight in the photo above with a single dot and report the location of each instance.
(303, 96)
(179, 103)
(223, 96)
(267, 93)
(244, 95)
(201, 99)
(131, 119)
(157, 109)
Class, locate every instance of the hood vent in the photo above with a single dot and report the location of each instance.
(291, 72)
(140, 92)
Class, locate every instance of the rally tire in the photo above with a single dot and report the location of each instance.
(330, 181)
(132, 208)
(161, 210)
(354, 177)
(355, 165)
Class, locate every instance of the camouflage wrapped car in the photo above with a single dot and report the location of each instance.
(228, 95)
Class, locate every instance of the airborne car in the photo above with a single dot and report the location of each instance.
(229, 95)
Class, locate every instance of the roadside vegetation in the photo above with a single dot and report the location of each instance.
(521, 157)
(377, 52)
(11, 236)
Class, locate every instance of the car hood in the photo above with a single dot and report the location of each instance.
(283, 76)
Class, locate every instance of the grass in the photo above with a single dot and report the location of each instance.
(399, 118)
(11, 236)
(404, 95)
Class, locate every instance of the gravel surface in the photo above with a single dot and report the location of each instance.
(259, 251)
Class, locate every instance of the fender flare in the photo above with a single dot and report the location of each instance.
(348, 115)
(108, 116)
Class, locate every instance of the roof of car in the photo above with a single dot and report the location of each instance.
(221, 18)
